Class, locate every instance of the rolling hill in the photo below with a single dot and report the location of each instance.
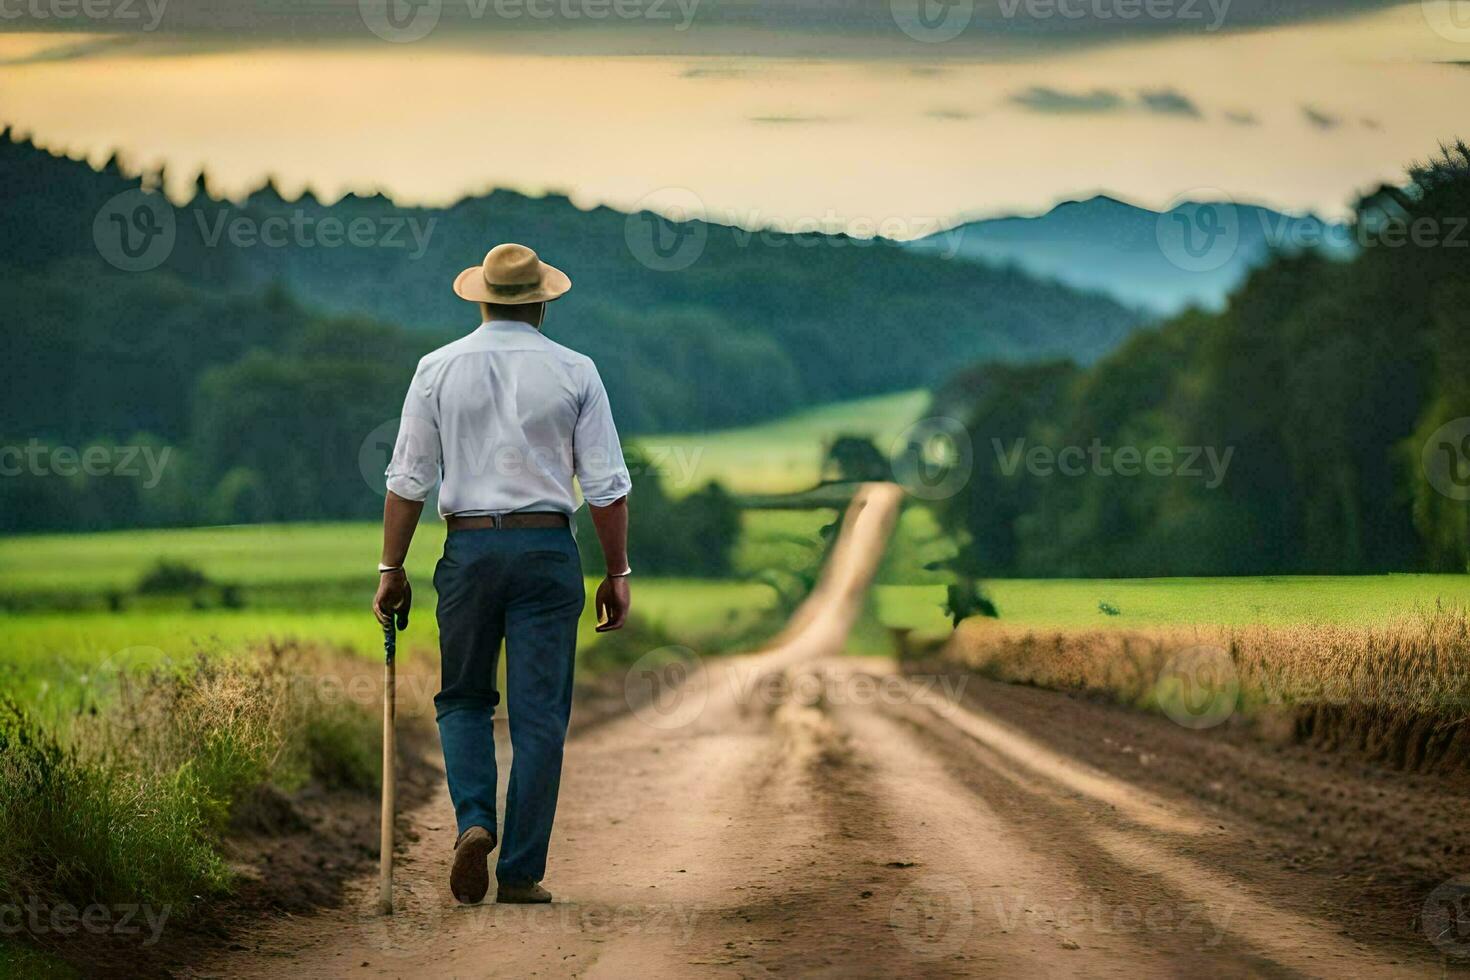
(1194, 254)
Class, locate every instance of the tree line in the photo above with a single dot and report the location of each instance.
(1326, 413)
(220, 362)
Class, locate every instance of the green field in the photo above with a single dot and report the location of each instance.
(1071, 603)
(781, 456)
(310, 584)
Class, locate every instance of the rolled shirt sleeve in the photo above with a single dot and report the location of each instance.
(418, 454)
(597, 455)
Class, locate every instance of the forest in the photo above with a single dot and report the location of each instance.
(1338, 391)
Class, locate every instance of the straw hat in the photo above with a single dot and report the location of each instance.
(511, 274)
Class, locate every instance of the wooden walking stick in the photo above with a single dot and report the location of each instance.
(390, 789)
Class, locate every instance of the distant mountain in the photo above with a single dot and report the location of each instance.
(1194, 254)
(694, 325)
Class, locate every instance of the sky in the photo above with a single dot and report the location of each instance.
(875, 116)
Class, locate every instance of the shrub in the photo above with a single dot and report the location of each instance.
(172, 578)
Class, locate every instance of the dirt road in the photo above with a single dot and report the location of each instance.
(805, 813)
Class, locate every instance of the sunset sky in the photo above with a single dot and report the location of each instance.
(764, 113)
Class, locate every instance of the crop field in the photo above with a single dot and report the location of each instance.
(1138, 603)
(781, 456)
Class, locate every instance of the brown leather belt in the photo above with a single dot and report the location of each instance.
(530, 518)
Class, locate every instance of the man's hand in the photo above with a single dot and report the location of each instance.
(612, 604)
(395, 596)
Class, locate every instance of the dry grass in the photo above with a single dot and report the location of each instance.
(1400, 691)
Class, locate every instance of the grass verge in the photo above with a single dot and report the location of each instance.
(125, 810)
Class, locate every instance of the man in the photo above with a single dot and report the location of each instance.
(507, 417)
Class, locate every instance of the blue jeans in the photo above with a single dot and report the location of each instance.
(523, 586)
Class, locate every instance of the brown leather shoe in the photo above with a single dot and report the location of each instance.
(469, 879)
(528, 894)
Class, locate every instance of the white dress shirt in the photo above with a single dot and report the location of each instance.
(507, 416)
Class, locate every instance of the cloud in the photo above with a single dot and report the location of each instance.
(714, 71)
(781, 120)
(1320, 119)
(1040, 98)
(1168, 102)
(1160, 101)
